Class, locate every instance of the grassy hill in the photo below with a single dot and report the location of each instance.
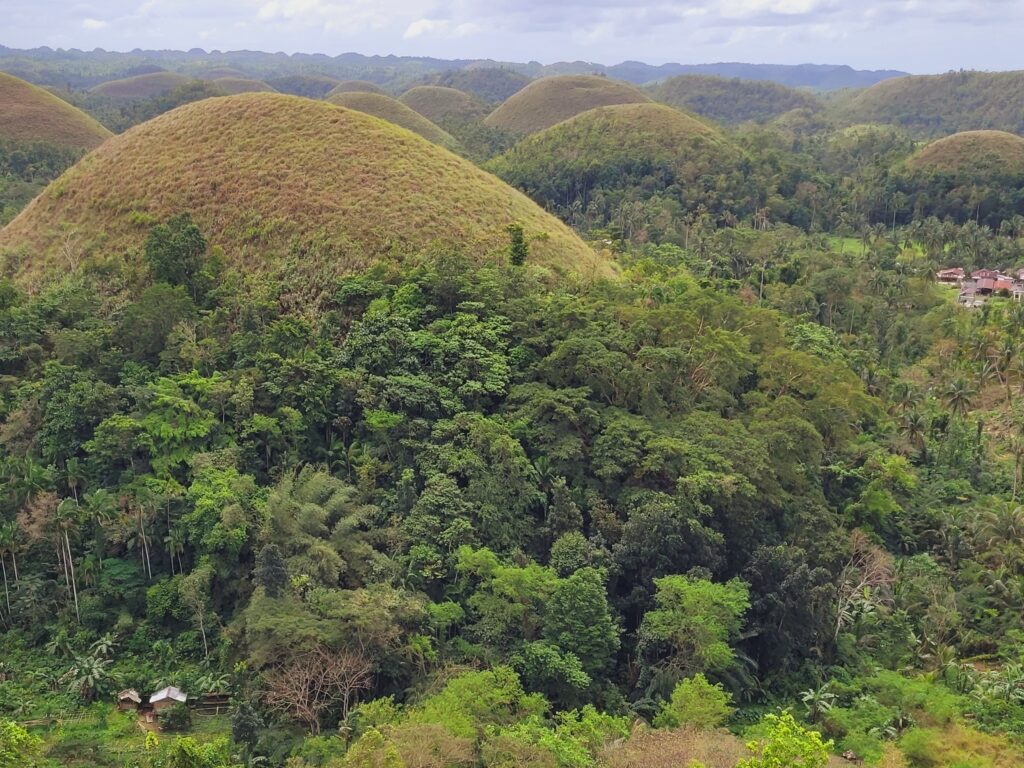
(141, 86)
(973, 155)
(489, 84)
(260, 172)
(546, 102)
(30, 114)
(732, 101)
(355, 86)
(931, 106)
(624, 152)
(439, 104)
(311, 86)
(234, 85)
(393, 111)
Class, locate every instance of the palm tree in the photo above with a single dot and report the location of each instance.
(915, 426)
(8, 546)
(174, 541)
(959, 395)
(66, 518)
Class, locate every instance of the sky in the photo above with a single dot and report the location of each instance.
(917, 36)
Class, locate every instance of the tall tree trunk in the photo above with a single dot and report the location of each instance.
(74, 585)
(14, 561)
(3, 564)
(202, 631)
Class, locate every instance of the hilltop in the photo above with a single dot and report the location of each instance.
(31, 114)
(141, 86)
(732, 101)
(234, 85)
(930, 106)
(355, 86)
(549, 101)
(973, 155)
(439, 104)
(492, 85)
(310, 86)
(261, 171)
(627, 151)
(394, 112)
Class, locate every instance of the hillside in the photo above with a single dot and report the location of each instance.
(626, 151)
(235, 85)
(140, 86)
(543, 103)
(395, 112)
(310, 86)
(258, 170)
(973, 155)
(492, 85)
(931, 106)
(355, 86)
(732, 101)
(439, 104)
(31, 114)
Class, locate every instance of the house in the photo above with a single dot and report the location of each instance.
(1019, 274)
(1018, 290)
(128, 700)
(984, 274)
(1002, 283)
(165, 698)
(969, 296)
(950, 276)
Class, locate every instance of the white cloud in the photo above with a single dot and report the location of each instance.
(94, 24)
(440, 28)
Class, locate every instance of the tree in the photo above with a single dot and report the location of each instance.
(311, 684)
(194, 591)
(787, 744)
(176, 253)
(518, 250)
(696, 703)
(18, 747)
(579, 620)
(690, 629)
(270, 572)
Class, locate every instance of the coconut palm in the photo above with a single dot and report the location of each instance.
(958, 395)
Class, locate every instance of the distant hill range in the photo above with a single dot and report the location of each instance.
(84, 69)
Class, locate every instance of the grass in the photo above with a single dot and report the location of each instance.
(438, 103)
(28, 113)
(355, 86)
(394, 112)
(260, 170)
(550, 100)
(234, 85)
(732, 101)
(140, 86)
(488, 83)
(973, 155)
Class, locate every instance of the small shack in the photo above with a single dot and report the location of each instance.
(951, 276)
(163, 699)
(128, 700)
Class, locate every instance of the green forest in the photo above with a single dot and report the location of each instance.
(747, 498)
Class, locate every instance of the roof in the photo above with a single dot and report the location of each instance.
(129, 693)
(979, 273)
(168, 693)
(986, 284)
(1003, 284)
(952, 272)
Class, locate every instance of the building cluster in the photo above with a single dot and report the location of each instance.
(150, 707)
(982, 283)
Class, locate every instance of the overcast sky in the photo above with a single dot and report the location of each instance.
(913, 35)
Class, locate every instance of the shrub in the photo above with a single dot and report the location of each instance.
(787, 744)
(697, 703)
(176, 718)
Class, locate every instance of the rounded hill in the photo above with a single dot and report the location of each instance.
(491, 85)
(625, 152)
(550, 100)
(261, 173)
(31, 114)
(355, 86)
(730, 100)
(395, 112)
(235, 85)
(140, 86)
(439, 104)
(931, 106)
(313, 86)
(973, 155)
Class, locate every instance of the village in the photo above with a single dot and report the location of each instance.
(976, 288)
(150, 708)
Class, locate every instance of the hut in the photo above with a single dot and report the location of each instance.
(166, 698)
(128, 700)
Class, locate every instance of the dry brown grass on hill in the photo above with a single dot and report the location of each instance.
(355, 86)
(234, 85)
(258, 171)
(395, 112)
(141, 86)
(29, 113)
(438, 103)
(976, 154)
(551, 100)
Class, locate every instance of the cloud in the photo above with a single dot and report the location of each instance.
(440, 28)
(94, 24)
